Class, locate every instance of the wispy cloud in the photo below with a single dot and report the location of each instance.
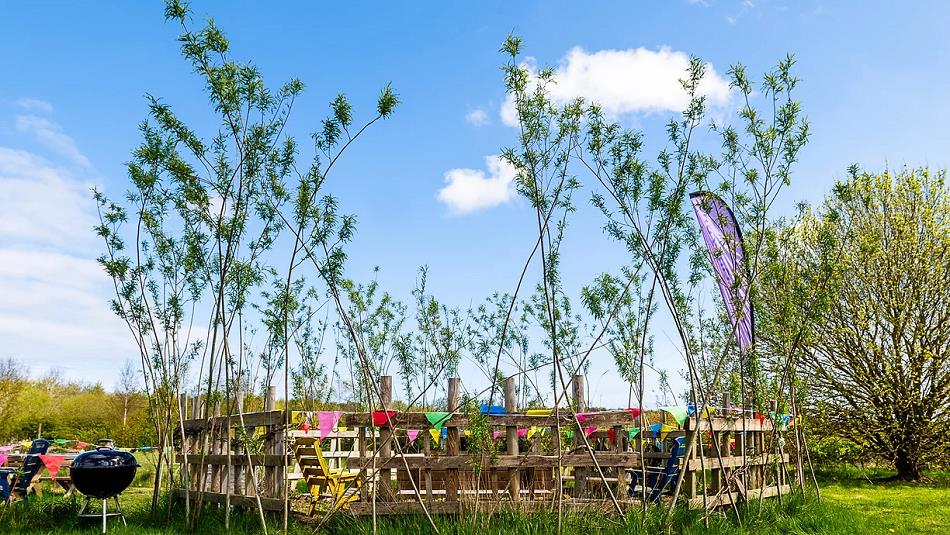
(54, 312)
(471, 190)
(51, 135)
(636, 80)
(34, 104)
(477, 117)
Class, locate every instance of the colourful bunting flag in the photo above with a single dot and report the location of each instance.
(665, 430)
(678, 413)
(590, 430)
(581, 417)
(611, 436)
(632, 433)
(438, 419)
(539, 412)
(494, 410)
(3, 458)
(531, 432)
(634, 412)
(381, 418)
(80, 445)
(569, 434)
(327, 420)
(655, 429)
(412, 433)
(522, 433)
(495, 435)
(52, 463)
(305, 427)
(436, 435)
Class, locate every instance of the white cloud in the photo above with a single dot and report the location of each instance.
(35, 104)
(51, 134)
(636, 80)
(470, 190)
(54, 313)
(477, 117)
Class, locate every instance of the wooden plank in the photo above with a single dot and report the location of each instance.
(729, 497)
(735, 425)
(269, 504)
(733, 462)
(220, 459)
(605, 459)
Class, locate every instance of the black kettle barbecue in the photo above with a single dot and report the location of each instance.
(103, 473)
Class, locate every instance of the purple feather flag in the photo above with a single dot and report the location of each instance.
(724, 240)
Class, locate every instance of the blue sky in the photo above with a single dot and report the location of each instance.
(875, 82)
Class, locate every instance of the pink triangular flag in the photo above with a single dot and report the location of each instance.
(581, 417)
(413, 433)
(522, 433)
(589, 430)
(495, 435)
(327, 421)
(52, 462)
(3, 458)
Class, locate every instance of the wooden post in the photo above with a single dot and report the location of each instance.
(580, 404)
(453, 442)
(620, 471)
(270, 472)
(237, 469)
(361, 443)
(385, 437)
(215, 446)
(196, 443)
(511, 439)
(799, 466)
(776, 451)
(723, 441)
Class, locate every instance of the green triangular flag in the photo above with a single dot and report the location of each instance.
(60, 441)
(678, 413)
(632, 433)
(438, 419)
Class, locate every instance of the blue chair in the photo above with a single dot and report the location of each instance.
(658, 479)
(23, 477)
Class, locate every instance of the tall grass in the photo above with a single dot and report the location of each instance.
(56, 515)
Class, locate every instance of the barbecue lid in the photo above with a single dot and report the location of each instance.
(104, 458)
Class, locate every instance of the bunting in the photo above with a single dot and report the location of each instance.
(634, 412)
(632, 433)
(327, 420)
(438, 419)
(539, 412)
(381, 418)
(522, 433)
(493, 410)
(436, 435)
(412, 434)
(3, 458)
(678, 413)
(52, 463)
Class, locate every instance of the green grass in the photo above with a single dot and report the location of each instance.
(853, 501)
(889, 506)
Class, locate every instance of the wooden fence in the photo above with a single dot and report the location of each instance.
(243, 459)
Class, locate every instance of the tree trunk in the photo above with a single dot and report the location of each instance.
(907, 467)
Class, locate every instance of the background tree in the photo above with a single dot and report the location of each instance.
(879, 361)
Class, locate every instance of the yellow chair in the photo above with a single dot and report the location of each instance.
(338, 482)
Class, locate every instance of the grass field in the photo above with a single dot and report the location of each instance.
(853, 501)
